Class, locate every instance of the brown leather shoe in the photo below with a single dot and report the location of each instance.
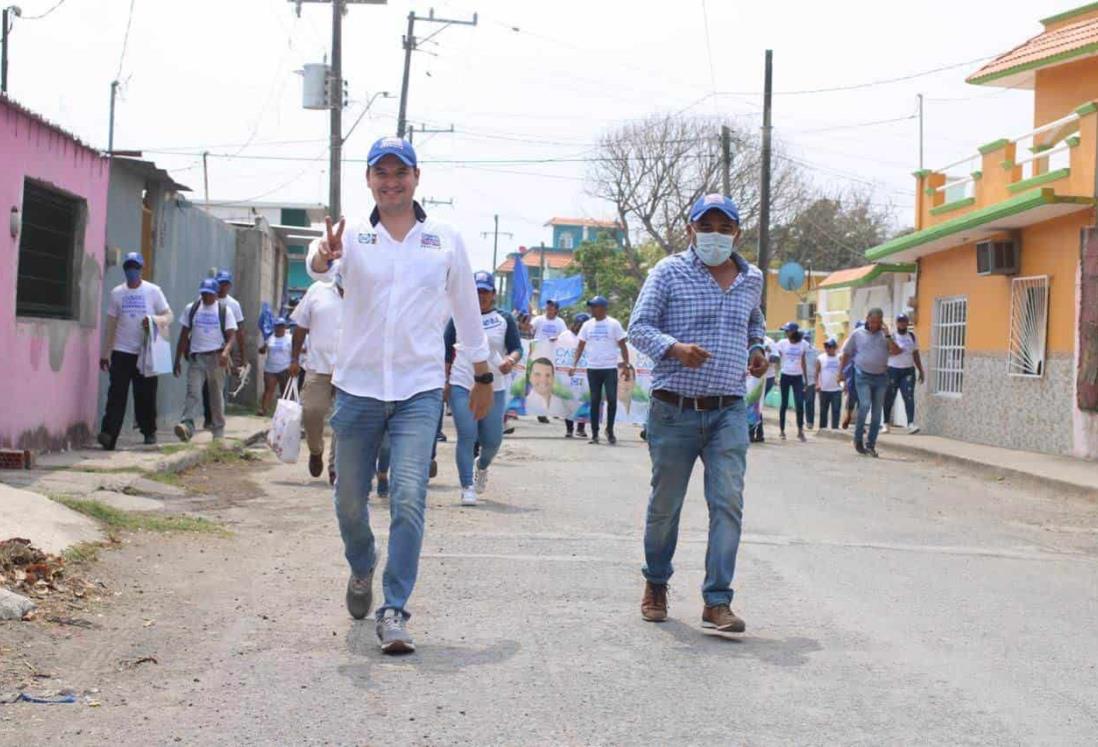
(721, 617)
(654, 603)
(316, 464)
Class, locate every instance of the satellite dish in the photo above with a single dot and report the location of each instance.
(791, 276)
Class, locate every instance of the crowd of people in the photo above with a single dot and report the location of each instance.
(397, 325)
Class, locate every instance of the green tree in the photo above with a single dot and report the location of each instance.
(608, 271)
(832, 232)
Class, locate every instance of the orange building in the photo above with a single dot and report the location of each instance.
(1004, 251)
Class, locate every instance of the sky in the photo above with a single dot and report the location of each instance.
(529, 91)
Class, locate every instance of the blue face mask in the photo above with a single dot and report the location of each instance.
(133, 275)
(713, 249)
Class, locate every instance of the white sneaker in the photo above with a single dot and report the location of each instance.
(480, 480)
(913, 428)
(886, 428)
(468, 497)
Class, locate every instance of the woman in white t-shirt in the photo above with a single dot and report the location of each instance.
(276, 369)
(829, 382)
(792, 353)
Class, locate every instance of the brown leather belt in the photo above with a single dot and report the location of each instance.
(700, 403)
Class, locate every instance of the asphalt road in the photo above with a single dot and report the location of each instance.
(887, 601)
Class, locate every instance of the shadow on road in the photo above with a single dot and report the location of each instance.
(781, 652)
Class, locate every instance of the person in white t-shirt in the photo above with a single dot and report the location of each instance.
(903, 361)
(276, 368)
(131, 305)
(792, 352)
(224, 280)
(602, 336)
(829, 382)
(756, 434)
(206, 342)
(811, 355)
(319, 315)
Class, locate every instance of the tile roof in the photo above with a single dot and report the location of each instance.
(588, 222)
(555, 259)
(1055, 46)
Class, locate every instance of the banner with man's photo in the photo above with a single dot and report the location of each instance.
(541, 385)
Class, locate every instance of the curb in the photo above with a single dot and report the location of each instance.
(185, 460)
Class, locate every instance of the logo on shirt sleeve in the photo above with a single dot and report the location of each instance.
(431, 240)
(367, 238)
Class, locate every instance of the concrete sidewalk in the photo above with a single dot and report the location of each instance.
(120, 478)
(1065, 473)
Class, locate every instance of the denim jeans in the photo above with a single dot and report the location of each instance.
(810, 404)
(796, 383)
(360, 424)
(601, 380)
(830, 402)
(871, 391)
(676, 439)
(901, 380)
(488, 431)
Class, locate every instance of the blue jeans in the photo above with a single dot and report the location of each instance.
(676, 439)
(901, 380)
(871, 391)
(488, 432)
(360, 424)
(796, 384)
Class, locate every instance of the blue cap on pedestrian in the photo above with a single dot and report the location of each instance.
(553, 301)
(224, 276)
(598, 301)
(902, 318)
(791, 327)
(392, 146)
(831, 342)
(484, 280)
(582, 317)
(280, 321)
(133, 258)
(714, 202)
(208, 285)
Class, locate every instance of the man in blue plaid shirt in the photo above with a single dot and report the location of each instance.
(698, 317)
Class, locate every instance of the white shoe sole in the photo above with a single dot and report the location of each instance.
(398, 647)
(726, 629)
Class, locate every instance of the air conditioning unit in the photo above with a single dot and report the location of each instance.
(998, 257)
(806, 311)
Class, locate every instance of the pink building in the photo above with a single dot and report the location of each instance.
(53, 192)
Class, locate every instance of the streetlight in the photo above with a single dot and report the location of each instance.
(17, 12)
(369, 103)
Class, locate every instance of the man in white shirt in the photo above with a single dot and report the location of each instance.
(131, 305)
(224, 280)
(903, 360)
(206, 341)
(319, 315)
(404, 276)
(602, 336)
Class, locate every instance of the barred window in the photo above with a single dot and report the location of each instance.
(948, 345)
(49, 237)
(1028, 326)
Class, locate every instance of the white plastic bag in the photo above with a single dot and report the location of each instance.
(155, 358)
(284, 436)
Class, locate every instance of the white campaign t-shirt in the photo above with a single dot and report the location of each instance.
(810, 356)
(791, 353)
(907, 342)
(461, 370)
(320, 312)
(129, 306)
(548, 329)
(234, 308)
(278, 353)
(771, 351)
(829, 374)
(206, 335)
(602, 339)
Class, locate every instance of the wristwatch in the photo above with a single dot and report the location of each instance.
(484, 378)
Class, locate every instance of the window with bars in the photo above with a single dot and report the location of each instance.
(1028, 326)
(49, 239)
(948, 345)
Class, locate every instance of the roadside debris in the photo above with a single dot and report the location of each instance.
(135, 663)
(14, 606)
(29, 574)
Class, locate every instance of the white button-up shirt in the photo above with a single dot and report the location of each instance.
(398, 297)
(321, 312)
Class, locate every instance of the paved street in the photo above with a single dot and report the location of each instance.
(887, 601)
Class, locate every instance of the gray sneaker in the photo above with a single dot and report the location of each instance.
(392, 633)
(360, 595)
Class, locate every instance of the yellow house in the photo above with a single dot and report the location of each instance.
(845, 296)
(784, 306)
(1008, 264)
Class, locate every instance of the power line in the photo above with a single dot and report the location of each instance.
(125, 41)
(855, 125)
(56, 5)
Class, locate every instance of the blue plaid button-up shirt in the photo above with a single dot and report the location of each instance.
(681, 302)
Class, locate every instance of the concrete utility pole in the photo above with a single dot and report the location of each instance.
(410, 45)
(206, 175)
(495, 242)
(726, 160)
(110, 126)
(920, 132)
(764, 206)
(5, 24)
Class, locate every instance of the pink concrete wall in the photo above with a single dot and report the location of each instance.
(50, 373)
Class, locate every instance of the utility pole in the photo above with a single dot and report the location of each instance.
(425, 130)
(495, 242)
(5, 22)
(920, 132)
(410, 45)
(726, 160)
(764, 206)
(206, 175)
(110, 130)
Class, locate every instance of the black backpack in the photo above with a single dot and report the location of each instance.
(221, 309)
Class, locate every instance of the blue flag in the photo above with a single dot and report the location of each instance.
(520, 286)
(565, 291)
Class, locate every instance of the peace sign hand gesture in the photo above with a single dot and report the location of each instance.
(331, 248)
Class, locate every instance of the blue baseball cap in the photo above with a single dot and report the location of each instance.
(714, 201)
(831, 342)
(133, 258)
(224, 276)
(598, 301)
(553, 301)
(209, 285)
(581, 317)
(392, 146)
(902, 318)
(791, 327)
(484, 280)
(280, 321)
